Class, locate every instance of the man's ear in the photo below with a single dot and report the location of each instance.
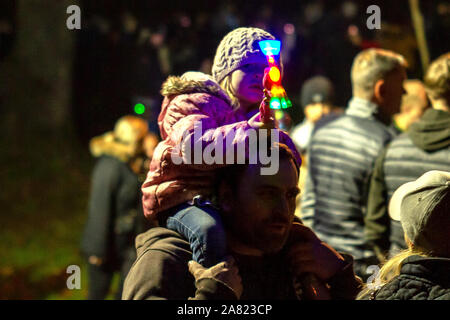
(225, 197)
(379, 91)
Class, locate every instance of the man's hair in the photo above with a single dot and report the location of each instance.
(437, 78)
(231, 174)
(371, 65)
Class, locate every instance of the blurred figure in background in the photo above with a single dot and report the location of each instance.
(317, 100)
(426, 146)
(414, 104)
(115, 208)
(316, 97)
(342, 154)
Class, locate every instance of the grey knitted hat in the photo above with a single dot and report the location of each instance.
(237, 48)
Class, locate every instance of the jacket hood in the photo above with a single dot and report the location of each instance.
(432, 131)
(108, 145)
(193, 82)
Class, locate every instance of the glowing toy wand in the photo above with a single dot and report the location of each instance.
(272, 75)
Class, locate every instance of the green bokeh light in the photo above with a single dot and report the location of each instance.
(139, 108)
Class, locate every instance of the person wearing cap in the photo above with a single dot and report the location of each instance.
(422, 271)
(425, 146)
(226, 103)
(342, 154)
(316, 97)
(115, 208)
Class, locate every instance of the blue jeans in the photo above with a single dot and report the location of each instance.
(202, 226)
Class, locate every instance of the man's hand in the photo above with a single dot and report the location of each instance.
(308, 254)
(226, 272)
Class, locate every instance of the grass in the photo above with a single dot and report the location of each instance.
(45, 186)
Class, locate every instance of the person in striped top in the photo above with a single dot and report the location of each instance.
(424, 147)
(342, 154)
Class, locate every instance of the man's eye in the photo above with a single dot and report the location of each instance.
(267, 194)
(292, 194)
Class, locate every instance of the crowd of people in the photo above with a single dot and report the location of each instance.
(374, 187)
(125, 50)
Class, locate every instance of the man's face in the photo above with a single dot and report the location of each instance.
(261, 210)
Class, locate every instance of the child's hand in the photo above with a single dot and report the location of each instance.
(267, 115)
(226, 272)
(265, 118)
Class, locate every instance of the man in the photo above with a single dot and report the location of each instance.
(269, 250)
(414, 104)
(425, 147)
(342, 155)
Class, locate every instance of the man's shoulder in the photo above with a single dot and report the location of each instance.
(162, 239)
(160, 270)
(359, 129)
(402, 139)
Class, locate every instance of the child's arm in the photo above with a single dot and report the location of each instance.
(203, 129)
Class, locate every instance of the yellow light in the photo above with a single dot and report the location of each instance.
(277, 91)
(279, 115)
(271, 60)
(274, 74)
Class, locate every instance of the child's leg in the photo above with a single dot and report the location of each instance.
(202, 227)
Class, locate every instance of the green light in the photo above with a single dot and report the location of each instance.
(139, 108)
(275, 103)
(283, 103)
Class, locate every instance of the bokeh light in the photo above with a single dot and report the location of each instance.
(139, 108)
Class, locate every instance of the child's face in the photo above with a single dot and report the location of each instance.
(247, 86)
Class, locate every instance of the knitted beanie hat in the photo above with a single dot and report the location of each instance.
(237, 48)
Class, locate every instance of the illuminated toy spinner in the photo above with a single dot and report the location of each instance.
(279, 99)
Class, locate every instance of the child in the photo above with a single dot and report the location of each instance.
(227, 101)
(422, 271)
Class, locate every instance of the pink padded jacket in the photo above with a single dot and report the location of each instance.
(189, 100)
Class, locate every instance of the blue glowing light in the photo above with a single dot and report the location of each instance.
(270, 47)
